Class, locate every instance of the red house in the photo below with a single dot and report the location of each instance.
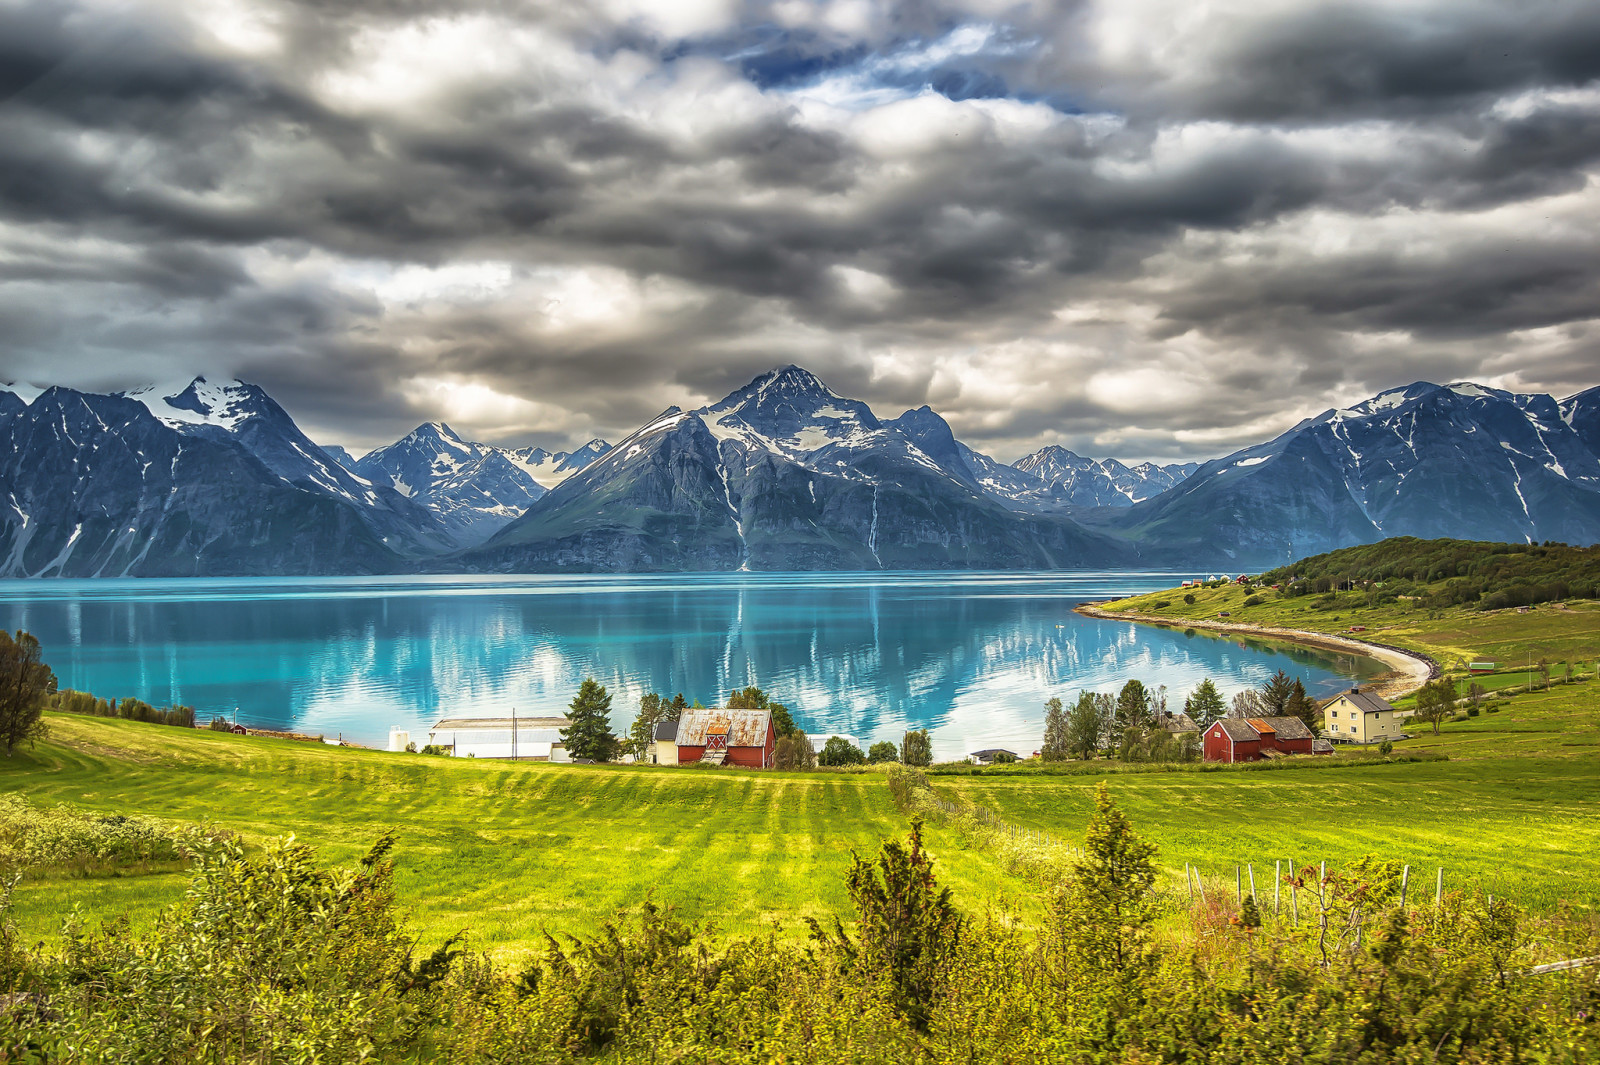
(1235, 739)
(718, 737)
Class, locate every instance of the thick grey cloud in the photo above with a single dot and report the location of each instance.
(1143, 229)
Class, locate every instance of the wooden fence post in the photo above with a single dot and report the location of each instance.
(1294, 902)
(1438, 891)
(1277, 884)
(1251, 868)
(1405, 876)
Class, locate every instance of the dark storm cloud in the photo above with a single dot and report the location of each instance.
(545, 224)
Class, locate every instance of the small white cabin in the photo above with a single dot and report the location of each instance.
(527, 739)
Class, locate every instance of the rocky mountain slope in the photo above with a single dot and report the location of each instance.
(96, 485)
(786, 474)
(1426, 460)
(475, 489)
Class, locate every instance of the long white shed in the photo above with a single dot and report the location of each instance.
(534, 739)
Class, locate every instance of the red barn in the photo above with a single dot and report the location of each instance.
(719, 737)
(1234, 739)
(1231, 739)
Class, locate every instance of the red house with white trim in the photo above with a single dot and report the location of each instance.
(1237, 739)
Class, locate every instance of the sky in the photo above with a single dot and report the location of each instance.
(1145, 229)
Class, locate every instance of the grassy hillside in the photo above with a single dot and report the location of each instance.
(1453, 635)
(509, 851)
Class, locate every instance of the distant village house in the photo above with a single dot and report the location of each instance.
(1358, 716)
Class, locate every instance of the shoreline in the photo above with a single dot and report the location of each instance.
(1406, 670)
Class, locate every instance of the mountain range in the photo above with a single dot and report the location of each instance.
(214, 478)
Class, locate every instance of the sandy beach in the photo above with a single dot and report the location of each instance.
(1405, 671)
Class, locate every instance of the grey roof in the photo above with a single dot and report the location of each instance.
(1321, 746)
(465, 723)
(1367, 701)
(1179, 722)
(1238, 728)
(667, 730)
(1289, 728)
(988, 754)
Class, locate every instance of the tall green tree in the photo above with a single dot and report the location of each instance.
(1133, 706)
(588, 734)
(1276, 693)
(1302, 706)
(1057, 746)
(916, 748)
(1205, 704)
(1436, 701)
(754, 698)
(653, 710)
(26, 683)
(883, 751)
(1084, 726)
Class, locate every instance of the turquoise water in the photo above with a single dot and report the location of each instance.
(971, 656)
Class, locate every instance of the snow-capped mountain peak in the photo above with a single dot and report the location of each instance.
(224, 404)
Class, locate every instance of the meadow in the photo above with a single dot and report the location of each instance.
(510, 851)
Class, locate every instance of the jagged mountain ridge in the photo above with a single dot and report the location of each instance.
(1074, 481)
(1425, 460)
(96, 485)
(474, 488)
(785, 474)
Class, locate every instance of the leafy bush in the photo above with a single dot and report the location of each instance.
(883, 751)
(1188, 598)
(1161, 603)
(839, 751)
(794, 751)
(32, 838)
(1254, 600)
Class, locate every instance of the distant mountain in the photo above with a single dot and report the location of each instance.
(96, 485)
(1582, 412)
(339, 455)
(475, 489)
(243, 414)
(1428, 461)
(1075, 481)
(213, 478)
(785, 474)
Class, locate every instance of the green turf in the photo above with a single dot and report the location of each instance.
(509, 851)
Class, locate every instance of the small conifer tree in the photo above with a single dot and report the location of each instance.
(589, 733)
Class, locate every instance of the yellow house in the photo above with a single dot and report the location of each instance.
(1356, 716)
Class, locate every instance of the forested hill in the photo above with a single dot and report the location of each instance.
(1491, 575)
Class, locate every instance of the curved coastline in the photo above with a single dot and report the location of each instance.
(1407, 670)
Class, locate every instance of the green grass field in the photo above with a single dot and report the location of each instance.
(511, 851)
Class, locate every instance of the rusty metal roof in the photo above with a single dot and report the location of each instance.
(745, 728)
(1260, 725)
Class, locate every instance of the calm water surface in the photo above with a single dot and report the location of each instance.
(971, 656)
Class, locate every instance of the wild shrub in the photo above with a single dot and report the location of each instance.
(907, 927)
(32, 838)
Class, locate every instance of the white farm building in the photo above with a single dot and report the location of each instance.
(529, 739)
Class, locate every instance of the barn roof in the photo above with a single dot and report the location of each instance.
(667, 730)
(1262, 725)
(1289, 728)
(746, 728)
(1179, 722)
(464, 724)
(1237, 728)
